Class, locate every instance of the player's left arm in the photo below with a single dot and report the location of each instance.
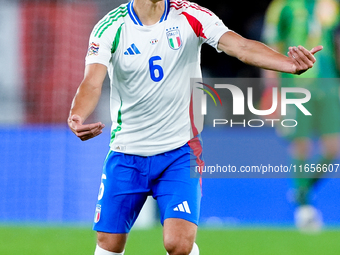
(258, 54)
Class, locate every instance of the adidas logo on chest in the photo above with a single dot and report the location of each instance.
(132, 50)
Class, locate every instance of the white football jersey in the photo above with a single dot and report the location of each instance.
(150, 69)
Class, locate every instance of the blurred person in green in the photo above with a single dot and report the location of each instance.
(308, 22)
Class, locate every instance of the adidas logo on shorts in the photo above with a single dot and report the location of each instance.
(183, 207)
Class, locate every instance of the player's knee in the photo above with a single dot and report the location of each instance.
(178, 246)
(111, 242)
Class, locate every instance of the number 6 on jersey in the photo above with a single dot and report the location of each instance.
(155, 76)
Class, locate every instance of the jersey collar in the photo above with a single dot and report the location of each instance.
(135, 18)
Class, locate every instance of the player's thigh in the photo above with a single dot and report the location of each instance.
(178, 195)
(122, 194)
(179, 235)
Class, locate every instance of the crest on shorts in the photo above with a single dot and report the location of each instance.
(174, 38)
(97, 214)
(93, 49)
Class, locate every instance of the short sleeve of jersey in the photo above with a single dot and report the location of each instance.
(205, 24)
(102, 40)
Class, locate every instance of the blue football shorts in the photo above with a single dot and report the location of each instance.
(128, 180)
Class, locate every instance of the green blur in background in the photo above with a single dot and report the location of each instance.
(40, 240)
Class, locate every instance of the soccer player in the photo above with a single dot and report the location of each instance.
(309, 22)
(151, 49)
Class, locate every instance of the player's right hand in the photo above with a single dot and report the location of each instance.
(84, 132)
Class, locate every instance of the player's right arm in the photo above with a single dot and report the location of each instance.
(103, 42)
(85, 101)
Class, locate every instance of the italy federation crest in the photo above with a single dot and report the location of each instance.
(97, 214)
(174, 38)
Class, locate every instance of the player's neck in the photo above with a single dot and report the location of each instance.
(149, 11)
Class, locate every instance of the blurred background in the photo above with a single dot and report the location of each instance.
(49, 178)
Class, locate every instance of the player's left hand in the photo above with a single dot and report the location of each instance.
(302, 58)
